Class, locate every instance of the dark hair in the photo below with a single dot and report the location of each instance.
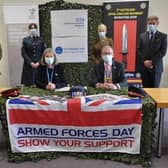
(32, 25)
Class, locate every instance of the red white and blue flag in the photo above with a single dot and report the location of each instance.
(98, 123)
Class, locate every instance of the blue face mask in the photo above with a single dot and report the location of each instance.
(152, 28)
(108, 59)
(102, 35)
(33, 32)
(49, 60)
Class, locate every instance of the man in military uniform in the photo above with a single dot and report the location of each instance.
(32, 49)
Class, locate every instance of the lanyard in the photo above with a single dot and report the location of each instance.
(108, 75)
(49, 75)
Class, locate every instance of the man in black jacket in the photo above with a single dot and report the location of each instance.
(108, 74)
(151, 48)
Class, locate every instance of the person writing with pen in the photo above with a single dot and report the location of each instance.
(50, 73)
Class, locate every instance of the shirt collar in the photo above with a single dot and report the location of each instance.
(153, 32)
(108, 64)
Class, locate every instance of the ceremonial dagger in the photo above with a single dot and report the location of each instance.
(124, 51)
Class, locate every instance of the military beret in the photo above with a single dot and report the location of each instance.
(13, 92)
(136, 92)
(77, 91)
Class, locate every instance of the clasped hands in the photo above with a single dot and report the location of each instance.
(50, 86)
(148, 64)
(35, 65)
(106, 86)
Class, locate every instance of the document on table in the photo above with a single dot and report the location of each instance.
(64, 89)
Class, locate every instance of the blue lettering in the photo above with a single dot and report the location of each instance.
(103, 133)
(116, 132)
(130, 130)
(37, 131)
(21, 131)
(84, 133)
(123, 132)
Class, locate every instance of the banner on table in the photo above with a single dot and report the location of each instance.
(70, 35)
(98, 123)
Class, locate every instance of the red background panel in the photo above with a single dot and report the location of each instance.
(132, 33)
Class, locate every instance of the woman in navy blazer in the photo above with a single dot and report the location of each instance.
(50, 73)
(33, 47)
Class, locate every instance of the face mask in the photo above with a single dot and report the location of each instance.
(33, 32)
(152, 27)
(49, 60)
(108, 59)
(102, 35)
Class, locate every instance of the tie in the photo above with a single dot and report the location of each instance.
(107, 68)
(151, 36)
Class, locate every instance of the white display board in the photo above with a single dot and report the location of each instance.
(70, 35)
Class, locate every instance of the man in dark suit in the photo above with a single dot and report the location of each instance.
(108, 74)
(32, 49)
(151, 48)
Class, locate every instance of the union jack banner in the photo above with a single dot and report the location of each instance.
(96, 123)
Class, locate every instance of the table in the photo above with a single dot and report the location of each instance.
(159, 95)
(147, 134)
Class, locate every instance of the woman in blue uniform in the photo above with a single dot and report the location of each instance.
(32, 49)
(50, 73)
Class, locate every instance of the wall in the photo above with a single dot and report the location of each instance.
(4, 73)
(155, 7)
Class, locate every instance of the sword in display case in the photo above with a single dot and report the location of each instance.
(124, 51)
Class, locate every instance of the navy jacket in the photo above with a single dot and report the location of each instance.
(32, 49)
(118, 74)
(58, 76)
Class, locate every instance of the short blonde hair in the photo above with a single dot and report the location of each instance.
(102, 26)
(153, 18)
(48, 50)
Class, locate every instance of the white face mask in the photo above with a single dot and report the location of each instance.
(108, 59)
(152, 28)
(102, 35)
(49, 60)
(33, 32)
